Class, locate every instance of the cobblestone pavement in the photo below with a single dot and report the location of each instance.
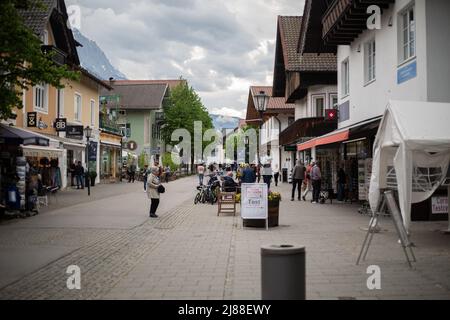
(190, 253)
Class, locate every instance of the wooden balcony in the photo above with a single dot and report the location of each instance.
(344, 20)
(306, 128)
(57, 56)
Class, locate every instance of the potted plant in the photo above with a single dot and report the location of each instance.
(93, 176)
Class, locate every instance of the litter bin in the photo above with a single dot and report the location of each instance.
(283, 272)
(285, 175)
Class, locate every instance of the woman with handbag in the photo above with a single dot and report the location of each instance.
(154, 189)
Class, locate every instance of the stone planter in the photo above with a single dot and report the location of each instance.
(274, 214)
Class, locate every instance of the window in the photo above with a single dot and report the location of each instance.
(78, 107)
(44, 38)
(369, 61)
(334, 104)
(407, 28)
(345, 78)
(125, 130)
(40, 95)
(319, 106)
(93, 117)
(60, 102)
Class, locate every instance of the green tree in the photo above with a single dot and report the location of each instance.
(22, 62)
(167, 161)
(183, 108)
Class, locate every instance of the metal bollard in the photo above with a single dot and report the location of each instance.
(283, 272)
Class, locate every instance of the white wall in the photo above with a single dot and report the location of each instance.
(304, 108)
(368, 101)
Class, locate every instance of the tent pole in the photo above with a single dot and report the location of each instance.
(448, 230)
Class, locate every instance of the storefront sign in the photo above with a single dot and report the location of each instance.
(32, 120)
(439, 205)
(75, 132)
(93, 147)
(407, 72)
(155, 151)
(290, 148)
(254, 202)
(61, 125)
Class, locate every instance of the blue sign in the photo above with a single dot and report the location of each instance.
(407, 72)
(93, 147)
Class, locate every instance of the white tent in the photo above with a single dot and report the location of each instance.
(411, 153)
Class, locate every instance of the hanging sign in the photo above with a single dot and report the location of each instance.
(61, 125)
(75, 132)
(93, 147)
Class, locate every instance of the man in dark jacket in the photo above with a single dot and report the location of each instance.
(298, 175)
(248, 175)
(79, 174)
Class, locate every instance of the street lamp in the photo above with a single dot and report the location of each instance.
(262, 101)
(88, 133)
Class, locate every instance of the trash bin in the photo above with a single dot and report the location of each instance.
(283, 272)
(285, 175)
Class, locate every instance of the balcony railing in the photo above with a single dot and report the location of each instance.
(109, 125)
(57, 56)
(306, 127)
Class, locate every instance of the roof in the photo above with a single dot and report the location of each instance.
(171, 83)
(54, 12)
(290, 28)
(275, 105)
(138, 96)
(36, 17)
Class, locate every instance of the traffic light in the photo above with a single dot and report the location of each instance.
(332, 115)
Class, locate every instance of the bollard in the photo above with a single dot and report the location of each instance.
(283, 272)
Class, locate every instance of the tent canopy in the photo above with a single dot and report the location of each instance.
(411, 152)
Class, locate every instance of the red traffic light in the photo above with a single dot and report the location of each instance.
(331, 115)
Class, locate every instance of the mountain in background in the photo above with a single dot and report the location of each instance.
(223, 122)
(94, 59)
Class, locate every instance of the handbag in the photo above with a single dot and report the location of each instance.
(161, 189)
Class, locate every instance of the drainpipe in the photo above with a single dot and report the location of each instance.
(279, 145)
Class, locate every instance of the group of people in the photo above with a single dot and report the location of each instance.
(78, 174)
(307, 178)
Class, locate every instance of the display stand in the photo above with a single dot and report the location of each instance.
(388, 202)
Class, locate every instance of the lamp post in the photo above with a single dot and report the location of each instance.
(262, 101)
(88, 133)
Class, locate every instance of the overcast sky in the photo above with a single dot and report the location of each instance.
(221, 47)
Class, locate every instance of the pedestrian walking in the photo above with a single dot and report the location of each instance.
(153, 193)
(79, 175)
(316, 179)
(145, 176)
(307, 182)
(298, 175)
(201, 173)
(132, 173)
(276, 174)
(267, 174)
(341, 181)
(167, 174)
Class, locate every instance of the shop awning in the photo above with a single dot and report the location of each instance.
(16, 136)
(42, 152)
(111, 144)
(340, 135)
(334, 137)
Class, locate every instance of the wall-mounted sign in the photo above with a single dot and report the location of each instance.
(407, 72)
(132, 145)
(155, 151)
(42, 125)
(75, 132)
(32, 120)
(61, 125)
